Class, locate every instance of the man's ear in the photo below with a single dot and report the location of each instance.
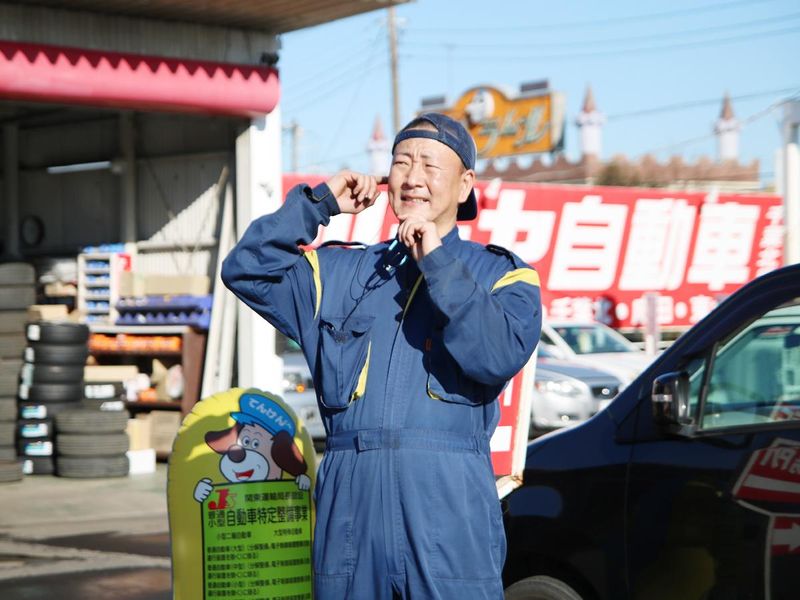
(467, 183)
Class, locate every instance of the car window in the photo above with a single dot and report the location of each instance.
(755, 374)
(547, 339)
(590, 339)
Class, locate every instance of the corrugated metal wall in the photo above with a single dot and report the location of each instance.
(76, 208)
(179, 205)
(179, 162)
(36, 24)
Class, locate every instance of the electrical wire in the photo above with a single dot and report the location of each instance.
(595, 22)
(601, 53)
(695, 103)
(743, 123)
(613, 40)
(356, 91)
(325, 92)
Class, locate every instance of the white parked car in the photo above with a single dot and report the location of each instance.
(298, 392)
(567, 392)
(596, 345)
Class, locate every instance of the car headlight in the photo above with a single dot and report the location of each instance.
(562, 387)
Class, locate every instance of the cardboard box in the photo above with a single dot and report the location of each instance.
(109, 373)
(139, 433)
(148, 284)
(47, 312)
(164, 425)
(141, 461)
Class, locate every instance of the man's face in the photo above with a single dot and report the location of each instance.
(427, 180)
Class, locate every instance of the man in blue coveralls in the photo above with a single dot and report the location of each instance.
(410, 342)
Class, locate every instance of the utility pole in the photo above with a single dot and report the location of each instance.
(393, 64)
(296, 131)
(790, 160)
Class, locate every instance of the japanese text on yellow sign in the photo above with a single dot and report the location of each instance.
(257, 542)
(502, 126)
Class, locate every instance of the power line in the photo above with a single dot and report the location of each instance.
(696, 103)
(335, 81)
(597, 22)
(356, 91)
(751, 119)
(326, 92)
(613, 40)
(628, 51)
(339, 61)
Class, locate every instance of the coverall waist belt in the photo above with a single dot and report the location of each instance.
(417, 439)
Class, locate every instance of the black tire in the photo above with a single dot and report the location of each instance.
(38, 465)
(101, 444)
(35, 373)
(104, 405)
(84, 420)
(7, 433)
(51, 392)
(10, 471)
(97, 390)
(8, 408)
(15, 297)
(541, 587)
(37, 410)
(35, 448)
(56, 354)
(8, 453)
(35, 428)
(92, 467)
(47, 332)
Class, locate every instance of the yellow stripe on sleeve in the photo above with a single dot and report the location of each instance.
(313, 260)
(518, 275)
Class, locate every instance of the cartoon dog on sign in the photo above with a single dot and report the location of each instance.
(259, 447)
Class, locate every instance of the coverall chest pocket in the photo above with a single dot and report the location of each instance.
(344, 359)
(446, 380)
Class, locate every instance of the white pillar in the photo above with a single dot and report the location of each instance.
(790, 175)
(259, 191)
(590, 122)
(727, 131)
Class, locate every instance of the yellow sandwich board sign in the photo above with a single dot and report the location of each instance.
(239, 494)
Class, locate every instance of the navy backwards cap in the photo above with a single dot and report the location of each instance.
(452, 134)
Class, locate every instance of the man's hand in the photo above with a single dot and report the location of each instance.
(419, 236)
(354, 191)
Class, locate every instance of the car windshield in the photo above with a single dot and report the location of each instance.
(593, 339)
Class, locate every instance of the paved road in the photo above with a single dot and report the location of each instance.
(71, 539)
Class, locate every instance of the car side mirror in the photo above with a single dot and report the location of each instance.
(670, 399)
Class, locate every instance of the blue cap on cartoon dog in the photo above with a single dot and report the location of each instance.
(257, 409)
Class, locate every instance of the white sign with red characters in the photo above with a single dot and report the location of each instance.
(772, 475)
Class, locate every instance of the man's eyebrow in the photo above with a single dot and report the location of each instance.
(424, 155)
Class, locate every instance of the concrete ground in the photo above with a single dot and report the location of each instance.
(70, 539)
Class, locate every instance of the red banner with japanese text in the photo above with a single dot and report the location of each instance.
(599, 250)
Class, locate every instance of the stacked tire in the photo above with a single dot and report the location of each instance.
(17, 292)
(51, 382)
(91, 443)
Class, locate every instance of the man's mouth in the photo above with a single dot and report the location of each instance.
(243, 474)
(414, 200)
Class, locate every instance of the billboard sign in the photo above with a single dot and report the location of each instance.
(504, 126)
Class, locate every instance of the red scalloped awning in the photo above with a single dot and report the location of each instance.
(41, 73)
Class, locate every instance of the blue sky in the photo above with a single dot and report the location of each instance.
(659, 70)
